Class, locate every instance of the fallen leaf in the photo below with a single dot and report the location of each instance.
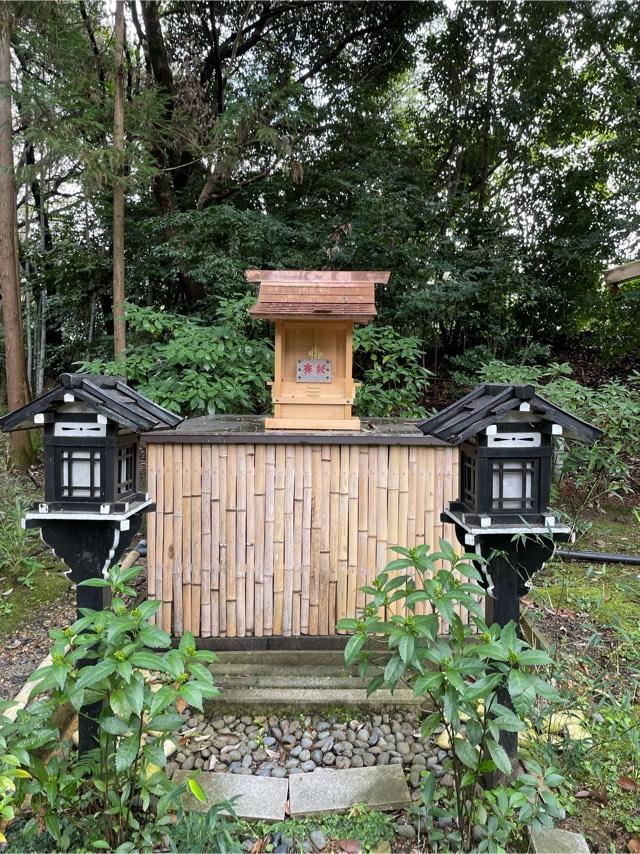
(634, 844)
(180, 705)
(351, 846)
(212, 763)
(583, 793)
(627, 784)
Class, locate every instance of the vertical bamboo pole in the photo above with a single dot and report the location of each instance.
(221, 593)
(393, 488)
(215, 542)
(278, 540)
(288, 510)
(269, 524)
(152, 559)
(352, 534)
(332, 527)
(158, 523)
(307, 500)
(342, 592)
(382, 507)
(178, 613)
(259, 528)
(241, 537)
(316, 537)
(250, 560)
(412, 498)
(372, 566)
(186, 539)
(403, 504)
(326, 591)
(363, 516)
(298, 495)
(205, 510)
(168, 550)
(196, 539)
(230, 525)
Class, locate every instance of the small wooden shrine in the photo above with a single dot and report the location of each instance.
(314, 313)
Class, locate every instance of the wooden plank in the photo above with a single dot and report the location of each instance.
(377, 276)
(158, 523)
(403, 503)
(622, 273)
(167, 546)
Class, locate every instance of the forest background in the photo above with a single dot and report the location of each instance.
(485, 153)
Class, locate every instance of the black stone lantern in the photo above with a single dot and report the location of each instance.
(92, 507)
(505, 434)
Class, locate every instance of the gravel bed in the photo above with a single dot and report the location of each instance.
(278, 746)
(23, 651)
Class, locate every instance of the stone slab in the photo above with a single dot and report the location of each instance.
(381, 787)
(257, 797)
(552, 841)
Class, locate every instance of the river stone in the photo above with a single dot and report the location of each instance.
(318, 840)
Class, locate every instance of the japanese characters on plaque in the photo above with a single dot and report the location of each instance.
(313, 371)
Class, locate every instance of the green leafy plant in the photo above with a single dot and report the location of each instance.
(213, 830)
(605, 468)
(477, 686)
(196, 367)
(394, 379)
(117, 796)
(16, 543)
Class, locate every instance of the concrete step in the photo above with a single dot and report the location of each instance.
(283, 680)
(310, 699)
(283, 657)
(223, 668)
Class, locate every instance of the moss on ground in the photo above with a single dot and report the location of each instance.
(608, 593)
(49, 584)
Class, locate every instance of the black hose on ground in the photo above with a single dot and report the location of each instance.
(598, 557)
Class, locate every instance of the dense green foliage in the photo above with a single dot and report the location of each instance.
(118, 795)
(477, 687)
(485, 154)
(605, 468)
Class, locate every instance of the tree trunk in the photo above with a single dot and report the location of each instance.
(119, 332)
(15, 363)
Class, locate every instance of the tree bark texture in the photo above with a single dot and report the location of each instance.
(15, 361)
(119, 331)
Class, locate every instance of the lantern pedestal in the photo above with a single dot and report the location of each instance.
(512, 559)
(89, 549)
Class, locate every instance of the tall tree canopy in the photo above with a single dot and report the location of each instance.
(485, 153)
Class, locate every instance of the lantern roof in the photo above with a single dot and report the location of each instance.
(316, 294)
(491, 403)
(108, 396)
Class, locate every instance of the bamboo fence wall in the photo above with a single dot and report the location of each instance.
(276, 539)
